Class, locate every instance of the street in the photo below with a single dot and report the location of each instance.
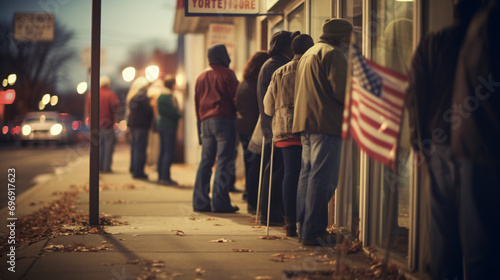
(34, 164)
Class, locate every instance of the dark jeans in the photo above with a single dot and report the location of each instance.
(446, 253)
(138, 151)
(218, 137)
(291, 164)
(107, 141)
(167, 150)
(318, 180)
(479, 212)
(276, 213)
(252, 180)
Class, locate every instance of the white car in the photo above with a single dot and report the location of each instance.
(45, 127)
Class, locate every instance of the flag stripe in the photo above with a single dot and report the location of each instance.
(386, 71)
(372, 150)
(383, 114)
(393, 111)
(379, 127)
(367, 133)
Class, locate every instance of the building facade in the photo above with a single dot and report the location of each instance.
(387, 32)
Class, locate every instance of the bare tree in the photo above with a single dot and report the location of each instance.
(39, 66)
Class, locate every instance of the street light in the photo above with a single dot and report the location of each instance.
(11, 79)
(81, 88)
(41, 106)
(46, 99)
(128, 74)
(152, 72)
(53, 100)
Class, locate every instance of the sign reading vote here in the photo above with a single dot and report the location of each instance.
(222, 7)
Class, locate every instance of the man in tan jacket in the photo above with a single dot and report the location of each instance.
(319, 103)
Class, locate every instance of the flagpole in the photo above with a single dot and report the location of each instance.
(347, 150)
(270, 185)
(260, 178)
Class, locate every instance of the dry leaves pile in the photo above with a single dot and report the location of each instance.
(272, 237)
(221, 240)
(348, 247)
(58, 218)
(243, 250)
(78, 247)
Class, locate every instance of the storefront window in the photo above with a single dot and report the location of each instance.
(391, 46)
(320, 10)
(352, 10)
(297, 19)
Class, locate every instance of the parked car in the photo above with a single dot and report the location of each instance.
(46, 127)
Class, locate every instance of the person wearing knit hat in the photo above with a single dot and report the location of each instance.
(281, 53)
(319, 102)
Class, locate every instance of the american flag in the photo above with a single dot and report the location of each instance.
(373, 108)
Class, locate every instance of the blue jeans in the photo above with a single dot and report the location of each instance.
(167, 150)
(218, 138)
(291, 164)
(138, 151)
(107, 141)
(317, 182)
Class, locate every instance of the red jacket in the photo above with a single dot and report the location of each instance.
(215, 93)
(109, 104)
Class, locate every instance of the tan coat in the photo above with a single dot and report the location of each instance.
(320, 90)
(279, 100)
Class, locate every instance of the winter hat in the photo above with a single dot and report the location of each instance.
(336, 28)
(217, 55)
(281, 41)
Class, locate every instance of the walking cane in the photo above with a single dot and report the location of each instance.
(270, 184)
(260, 178)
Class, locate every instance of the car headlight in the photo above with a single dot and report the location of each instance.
(26, 130)
(56, 129)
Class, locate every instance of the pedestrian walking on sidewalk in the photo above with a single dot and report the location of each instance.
(281, 53)
(215, 101)
(166, 122)
(319, 103)
(429, 98)
(247, 116)
(109, 104)
(279, 104)
(140, 117)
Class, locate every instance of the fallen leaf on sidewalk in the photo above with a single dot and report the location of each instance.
(77, 247)
(178, 232)
(200, 271)
(258, 227)
(221, 240)
(263, 278)
(271, 237)
(280, 257)
(119, 201)
(243, 250)
(217, 225)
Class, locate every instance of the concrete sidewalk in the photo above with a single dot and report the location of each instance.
(164, 238)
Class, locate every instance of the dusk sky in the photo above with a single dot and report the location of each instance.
(126, 24)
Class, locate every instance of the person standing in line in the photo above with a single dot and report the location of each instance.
(215, 101)
(429, 97)
(139, 122)
(319, 103)
(109, 104)
(247, 116)
(168, 117)
(475, 139)
(279, 104)
(281, 53)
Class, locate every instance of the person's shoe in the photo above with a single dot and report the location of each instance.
(206, 209)
(141, 177)
(233, 209)
(167, 183)
(326, 240)
(290, 227)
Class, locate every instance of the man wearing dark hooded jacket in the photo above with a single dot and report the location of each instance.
(215, 101)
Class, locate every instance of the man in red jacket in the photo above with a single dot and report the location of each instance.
(109, 104)
(215, 100)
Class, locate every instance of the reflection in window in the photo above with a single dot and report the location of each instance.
(391, 46)
(352, 10)
(297, 19)
(278, 27)
(319, 13)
